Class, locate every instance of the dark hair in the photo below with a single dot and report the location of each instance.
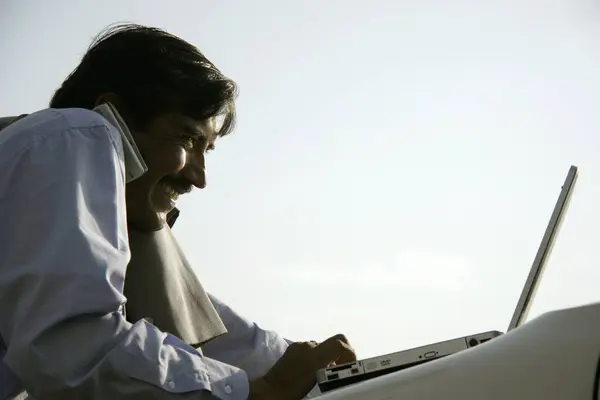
(152, 72)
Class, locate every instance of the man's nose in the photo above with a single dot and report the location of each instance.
(195, 169)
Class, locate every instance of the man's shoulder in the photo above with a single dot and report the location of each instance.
(49, 124)
(54, 119)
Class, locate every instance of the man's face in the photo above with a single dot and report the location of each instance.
(174, 149)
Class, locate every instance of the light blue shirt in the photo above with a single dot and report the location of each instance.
(63, 256)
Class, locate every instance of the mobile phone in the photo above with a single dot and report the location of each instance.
(134, 163)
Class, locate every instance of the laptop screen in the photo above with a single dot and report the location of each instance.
(544, 251)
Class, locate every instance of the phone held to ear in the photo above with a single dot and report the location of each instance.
(134, 163)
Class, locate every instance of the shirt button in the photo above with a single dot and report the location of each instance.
(227, 389)
(171, 384)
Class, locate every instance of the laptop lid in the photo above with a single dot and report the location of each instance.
(544, 251)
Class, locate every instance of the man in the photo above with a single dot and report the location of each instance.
(67, 206)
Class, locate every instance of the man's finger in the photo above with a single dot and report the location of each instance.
(347, 356)
(341, 337)
(334, 349)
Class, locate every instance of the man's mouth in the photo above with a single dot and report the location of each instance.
(171, 192)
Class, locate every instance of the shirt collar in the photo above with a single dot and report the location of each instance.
(172, 217)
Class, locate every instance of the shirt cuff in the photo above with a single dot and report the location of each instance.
(227, 382)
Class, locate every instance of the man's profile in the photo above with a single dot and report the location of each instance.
(68, 214)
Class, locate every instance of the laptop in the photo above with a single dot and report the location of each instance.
(345, 374)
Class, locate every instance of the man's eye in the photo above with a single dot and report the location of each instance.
(188, 142)
(195, 142)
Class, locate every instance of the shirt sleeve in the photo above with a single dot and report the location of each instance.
(246, 345)
(64, 255)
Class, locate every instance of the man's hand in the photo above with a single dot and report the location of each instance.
(293, 376)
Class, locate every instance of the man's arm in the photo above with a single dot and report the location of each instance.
(64, 252)
(246, 345)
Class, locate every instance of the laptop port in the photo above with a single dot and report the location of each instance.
(342, 367)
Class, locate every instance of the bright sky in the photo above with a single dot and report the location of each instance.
(395, 162)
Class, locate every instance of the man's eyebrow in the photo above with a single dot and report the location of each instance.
(199, 132)
(192, 130)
